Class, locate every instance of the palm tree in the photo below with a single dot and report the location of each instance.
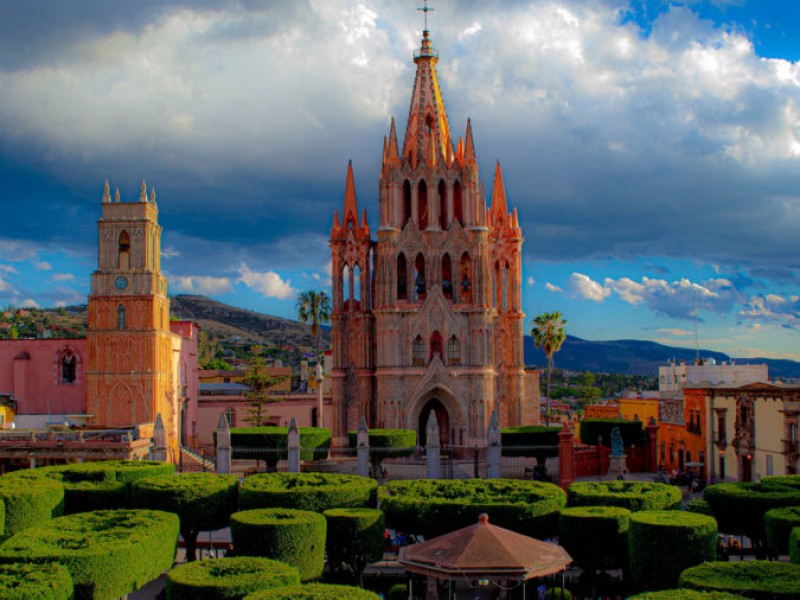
(548, 334)
(314, 308)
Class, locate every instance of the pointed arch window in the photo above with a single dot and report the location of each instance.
(443, 222)
(458, 208)
(418, 352)
(121, 317)
(465, 279)
(406, 202)
(402, 283)
(422, 206)
(356, 284)
(419, 278)
(124, 251)
(436, 345)
(453, 351)
(447, 277)
(68, 368)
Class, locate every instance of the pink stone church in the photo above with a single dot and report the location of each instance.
(428, 317)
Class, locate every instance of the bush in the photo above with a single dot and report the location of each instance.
(31, 503)
(129, 471)
(591, 429)
(757, 579)
(108, 553)
(794, 545)
(685, 595)
(202, 501)
(273, 443)
(315, 591)
(530, 440)
(633, 495)
(596, 537)
(433, 507)
(778, 524)
(296, 537)
(661, 544)
(26, 581)
(355, 538)
(398, 591)
(307, 491)
(792, 481)
(229, 578)
(557, 594)
(386, 443)
(698, 505)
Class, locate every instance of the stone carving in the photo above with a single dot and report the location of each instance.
(617, 446)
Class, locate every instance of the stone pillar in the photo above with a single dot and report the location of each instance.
(223, 444)
(652, 445)
(294, 447)
(566, 457)
(362, 447)
(494, 449)
(433, 449)
(158, 449)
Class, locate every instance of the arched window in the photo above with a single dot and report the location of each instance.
(496, 285)
(436, 345)
(419, 278)
(124, 251)
(447, 277)
(230, 415)
(121, 317)
(458, 209)
(505, 287)
(406, 202)
(69, 368)
(346, 282)
(418, 352)
(422, 206)
(443, 222)
(453, 351)
(356, 283)
(402, 274)
(465, 278)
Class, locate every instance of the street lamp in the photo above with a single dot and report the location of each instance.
(320, 376)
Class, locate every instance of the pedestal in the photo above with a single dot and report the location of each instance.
(617, 465)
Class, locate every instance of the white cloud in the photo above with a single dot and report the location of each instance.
(42, 265)
(62, 277)
(531, 281)
(4, 286)
(585, 287)
(203, 284)
(553, 288)
(29, 303)
(674, 331)
(268, 284)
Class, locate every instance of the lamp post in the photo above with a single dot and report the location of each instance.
(320, 376)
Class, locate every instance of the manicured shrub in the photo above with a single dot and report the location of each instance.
(307, 491)
(30, 503)
(792, 481)
(202, 501)
(228, 578)
(29, 581)
(794, 545)
(757, 579)
(685, 594)
(530, 440)
(315, 591)
(296, 537)
(778, 523)
(355, 538)
(596, 537)
(386, 443)
(661, 544)
(108, 553)
(129, 471)
(557, 594)
(433, 507)
(398, 591)
(271, 444)
(633, 495)
(592, 429)
(698, 505)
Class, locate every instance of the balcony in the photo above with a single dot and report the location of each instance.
(791, 447)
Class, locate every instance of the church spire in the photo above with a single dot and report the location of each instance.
(469, 145)
(499, 205)
(350, 203)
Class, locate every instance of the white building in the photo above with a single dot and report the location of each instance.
(676, 376)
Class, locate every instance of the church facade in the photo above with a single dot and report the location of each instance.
(428, 317)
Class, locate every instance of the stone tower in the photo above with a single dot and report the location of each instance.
(130, 346)
(439, 324)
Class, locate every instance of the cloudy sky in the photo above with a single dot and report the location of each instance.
(652, 147)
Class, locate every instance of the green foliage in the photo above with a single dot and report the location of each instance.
(433, 507)
(698, 505)
(685, 594)
(399, 591)
(274, 442)
(355, 538)
(108, 553)
(633, 495)
(549, 335)
(307, 491)
(794, 545)
(557, 594)
(296, 537)
(592, 429)
(757, 579)
(778, 523)
(389, 442)
(530, 440)
(596, 537)
(661, 544)
(133, 470)
(28, 581)
(202, 501)
(258, 384)
(228, 578)
(315, 591)
(792, 481)
(30, 503)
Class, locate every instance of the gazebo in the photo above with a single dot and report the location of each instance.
(488, 559)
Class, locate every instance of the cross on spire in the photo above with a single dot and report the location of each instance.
(425, 10)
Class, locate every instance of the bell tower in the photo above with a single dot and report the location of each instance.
(130, 346)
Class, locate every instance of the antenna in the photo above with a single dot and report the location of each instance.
(696, 336)
(425, 10)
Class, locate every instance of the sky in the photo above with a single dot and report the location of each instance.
(651, 147)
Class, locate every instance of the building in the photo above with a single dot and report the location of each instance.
(428, 317)
(673, 377)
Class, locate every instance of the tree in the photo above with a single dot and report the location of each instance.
(314, 308)
(258, 384)
(548, 334)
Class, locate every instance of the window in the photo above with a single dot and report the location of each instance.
(422, 206)
(443, 205)
(418, 352)
(721, 435)
(458, 213)
(402, 284)
(436, 345)
(120, 317)
(466, 284)
(406, 202)
(124, 250)
(447, 277)
(230, 416)
(69, 368)
(769, 464)
(722, 468)
(419, 277)
(453, 351)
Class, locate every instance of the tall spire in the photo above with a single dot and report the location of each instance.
(469, 145)
(394, 154)
(350, 204)
(499, 205)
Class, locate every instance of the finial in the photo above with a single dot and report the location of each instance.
(106, 193)
(116, 195)
(425, 10)
(153, 194)
(143, 192)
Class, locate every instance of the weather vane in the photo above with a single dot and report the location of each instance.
(425, 10)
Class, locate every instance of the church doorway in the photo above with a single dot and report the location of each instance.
(434, 405)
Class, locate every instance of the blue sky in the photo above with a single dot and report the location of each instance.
(652, 148)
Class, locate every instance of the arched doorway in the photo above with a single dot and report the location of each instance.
(434, 405)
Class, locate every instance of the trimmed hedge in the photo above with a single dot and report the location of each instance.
(296, 537)
(698, 505)
(591, 429)
(792, 481)
(433, 507)
(685, 595)
(315, 442)
(633, 495)
(129, 471)
(757, 579)
(557, 594)
(661, 544)
(778, 524)
(315, 591)
(389, 442)
(794, 545)
(530, 440)
(202, 501)
(108, 553)
(398, 591)
(596, 537)
(31, 503)
(27, 581)
(307, 491)
(355, 537)
(228, 578)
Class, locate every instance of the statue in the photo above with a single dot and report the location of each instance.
(617, 446)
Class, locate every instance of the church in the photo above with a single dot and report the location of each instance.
(428, 317)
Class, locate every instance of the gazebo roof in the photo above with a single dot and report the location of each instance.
(484, 550)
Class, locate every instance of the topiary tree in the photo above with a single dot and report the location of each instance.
(307, 491)
(296, 537)
(778, 524)
(228, 578)
(354, 539)
(596, 537)
(698, 505)
(386, 443)
(685, 594)
(24, 581)
(661, 544)
(633, 495)
(398, 591)
(271, 444)
(756, 579)
(30, 503)
(794, 545)
(109, 553)
(315, 591)
(202, 501)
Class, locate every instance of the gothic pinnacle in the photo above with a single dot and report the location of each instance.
(106, 193)
(143, 192)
